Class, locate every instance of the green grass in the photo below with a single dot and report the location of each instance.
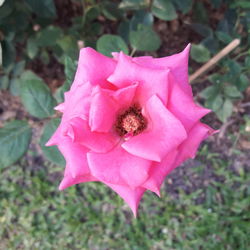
(35, 215)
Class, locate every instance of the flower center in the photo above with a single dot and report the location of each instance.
(130, 122)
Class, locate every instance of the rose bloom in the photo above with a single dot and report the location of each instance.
(128, 122)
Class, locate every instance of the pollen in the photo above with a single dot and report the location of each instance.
(130, 122)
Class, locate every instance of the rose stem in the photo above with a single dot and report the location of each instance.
(214, 59)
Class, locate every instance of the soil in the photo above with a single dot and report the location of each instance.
(175, 35)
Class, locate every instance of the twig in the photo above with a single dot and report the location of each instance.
(215, 59)
(224, 127)
(244, 105)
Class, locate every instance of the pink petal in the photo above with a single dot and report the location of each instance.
(125, 96)
(77, 102)
(118, 167)
(131, 196)
(159, 171)
(68, 180)
(183, 106)
(97, 142)
(102, 112)
(165, 132)
(150, 81)
(60, 107)
(93, 67)
(190, 146)
(177, 63)
(75, 156)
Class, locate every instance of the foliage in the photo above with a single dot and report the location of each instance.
(33, 215)
(134, 21)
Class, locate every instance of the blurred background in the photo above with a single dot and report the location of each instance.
(204, 203)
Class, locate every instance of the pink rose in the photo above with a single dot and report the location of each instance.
(128, 122)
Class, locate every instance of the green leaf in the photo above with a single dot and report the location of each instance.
(202, 29)
(9, 53)
(4, 82)
(247, 61)
(223, 37)
(14, 140)
(51, 153)
(183, 6)
(216, 103)
(144, 39)
(69, 69)
(133, 4)
(111, 43)
(29, 75)
(15, 86)
(91, 14)
(49, 36)
(164, 9)
(199, 53)
(123, 30)
(110, 10)
(226, 110)
(209, 92)
(141, 17)
(199, 13)
(44, 8)
(1, 55)
(232, 92)
(37, 98)
(32, 48)
(242, 82)
(18, 68)
(69, 46)
(242, 4)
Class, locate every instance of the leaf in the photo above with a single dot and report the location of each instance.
(69, 69)
(44, 8)
(18, 68)
(4, 82)
(199, 53)
(200, 12)
(243, 82)
(141, 17)
(123, 30)
(208, 92)
(49, 36)
(91, 14)
(14, 140)
(1, 55)
(37, 98)
(223, 37)
(133, 4)
(15, 86)
(232, 92)
(164, 9)
(51, 153)
(202, 29)
(226, 111)
(69, 46)
(144, 39)
(216, 103)
(111, 43)
(1, 2)
(110, 10)
(32, 48)
(9, 53)
(183, 6)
